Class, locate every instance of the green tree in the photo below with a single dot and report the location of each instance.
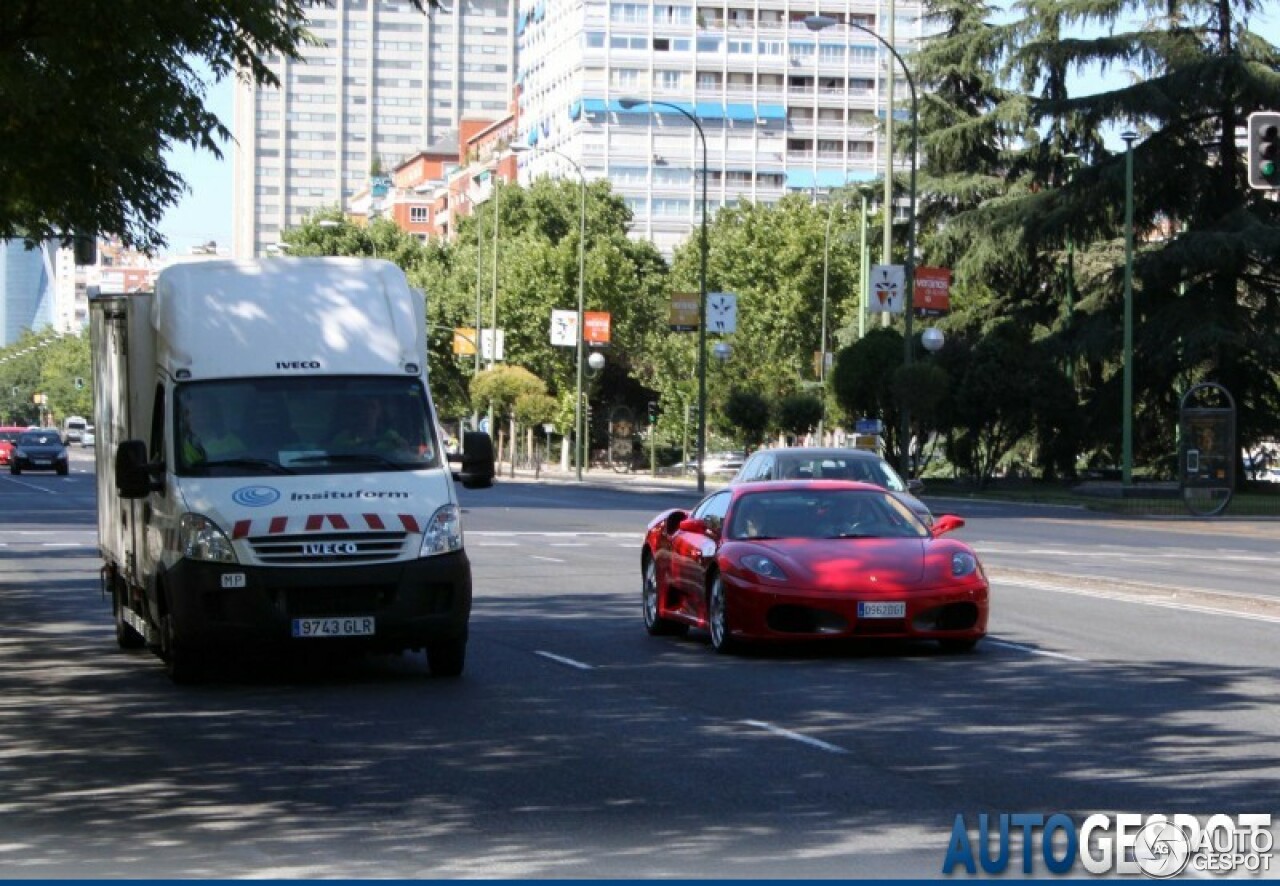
(863, 382)
(797, 414)
(747, 414)
(92, 95)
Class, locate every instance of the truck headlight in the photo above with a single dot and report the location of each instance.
(199, 538)
(443, 533)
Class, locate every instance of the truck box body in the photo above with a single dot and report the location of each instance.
(268, 515)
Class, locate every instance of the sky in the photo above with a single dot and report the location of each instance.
(205, 213)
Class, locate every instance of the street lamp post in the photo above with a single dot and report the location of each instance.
(818, 23)
(1126, 463)
(627, 104)
(579, 443)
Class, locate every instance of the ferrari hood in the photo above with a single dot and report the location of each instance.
(849, 564)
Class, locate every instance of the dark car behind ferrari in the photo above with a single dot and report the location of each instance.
(41, 450)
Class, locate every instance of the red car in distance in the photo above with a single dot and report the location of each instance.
(811, 559)
(8, 438)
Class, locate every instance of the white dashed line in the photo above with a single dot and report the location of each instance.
(564, 661)
(545, 559)
(796, 736)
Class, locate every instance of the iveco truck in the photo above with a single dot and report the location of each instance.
(269, 469)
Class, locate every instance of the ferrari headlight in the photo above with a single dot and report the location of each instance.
(199, 538)
(762, 565)
(963, 564)
(443, 534)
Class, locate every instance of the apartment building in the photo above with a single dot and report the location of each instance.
(386, 82)
(783, 108)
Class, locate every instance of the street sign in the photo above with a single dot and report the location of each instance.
(564, 329)
(684, 312)
(932, 293)
(722, 312)
(487, 349)
(888, 285)
(464, 341)
(869, 426)
(596, 327)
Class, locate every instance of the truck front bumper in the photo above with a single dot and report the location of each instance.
(218, 605)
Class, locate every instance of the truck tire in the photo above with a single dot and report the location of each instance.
(446, 658)
(181, 663)
(126, 636)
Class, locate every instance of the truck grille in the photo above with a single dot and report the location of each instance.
(339, 548)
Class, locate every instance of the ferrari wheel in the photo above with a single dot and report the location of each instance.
(718, 618)
(655, 624)
(957, 645)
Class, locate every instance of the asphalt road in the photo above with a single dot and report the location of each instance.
(575, 745)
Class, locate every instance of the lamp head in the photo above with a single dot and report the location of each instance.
(1129, 137)
(932, 339)
(722, 351)
(818, 22)
(596, 361)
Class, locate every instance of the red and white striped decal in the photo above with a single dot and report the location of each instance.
(318, 522)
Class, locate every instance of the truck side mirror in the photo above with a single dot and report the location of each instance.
(476, 460)
(133, 471)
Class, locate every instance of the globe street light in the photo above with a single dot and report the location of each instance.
(582, 265)
(628, 104)
(818, 23)
(1126, 447)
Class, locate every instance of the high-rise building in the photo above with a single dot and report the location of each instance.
(783, 108)
(386, 82)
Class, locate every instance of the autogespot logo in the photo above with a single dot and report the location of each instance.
(1158, 846)
(255, 496)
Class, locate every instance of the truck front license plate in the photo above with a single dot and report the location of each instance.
(351, 626)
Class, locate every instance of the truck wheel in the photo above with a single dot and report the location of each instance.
(126, 636)
(446, 658)
(183, 665)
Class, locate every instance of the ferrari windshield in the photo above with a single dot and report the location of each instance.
(822, 513)
(326, 424)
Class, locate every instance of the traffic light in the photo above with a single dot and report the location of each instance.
(79, 383)
(653, 412)
(1264, 150)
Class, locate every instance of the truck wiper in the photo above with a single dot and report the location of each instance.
(350, 458)
(265, 464)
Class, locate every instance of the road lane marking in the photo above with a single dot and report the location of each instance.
(546, 559)
(1034, 651)
(564, 661)
(1121, 597)
(534, 534)
(31, 486)
(796, 736)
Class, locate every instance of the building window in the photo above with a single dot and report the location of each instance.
(419, 215)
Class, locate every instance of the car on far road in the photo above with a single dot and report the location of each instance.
(810, 560)
(824, 463)
(40, 450)
(87, 438)
(8, 437)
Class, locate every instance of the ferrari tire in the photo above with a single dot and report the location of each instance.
(958, 646)
(656, 625)
(718, 623)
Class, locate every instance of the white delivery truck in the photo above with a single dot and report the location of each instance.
(240, 503)
(73, 428)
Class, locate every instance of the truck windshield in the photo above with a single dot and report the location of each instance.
(311, 425)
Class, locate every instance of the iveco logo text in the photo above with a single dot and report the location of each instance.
(297, 364)
(330, 547)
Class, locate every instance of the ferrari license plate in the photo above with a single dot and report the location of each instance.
(348, 626)
(897, 609)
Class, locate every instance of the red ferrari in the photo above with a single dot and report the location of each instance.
(811, 559)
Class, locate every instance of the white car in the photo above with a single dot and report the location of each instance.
(86, 437)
